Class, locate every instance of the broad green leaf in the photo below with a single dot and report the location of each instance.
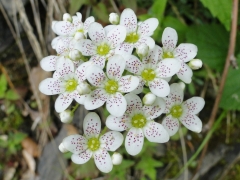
(3, 84)
(158, 9)
(212, 41)
(11, 95)
(231, 94)
(130, 4)
(75, 5)
(220, 9)
(100, 11)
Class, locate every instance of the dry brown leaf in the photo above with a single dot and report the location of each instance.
(31, 147)
(71, 129)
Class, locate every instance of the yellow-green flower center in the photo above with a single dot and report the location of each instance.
(138, 121)
(71, 85)
(93, 144)
(167, 55)
(148, 74)
(80, 30)
(176, 111)
(111, 86)
(103, 49)
(132, 37)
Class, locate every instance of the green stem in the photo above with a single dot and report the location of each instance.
(74, 109)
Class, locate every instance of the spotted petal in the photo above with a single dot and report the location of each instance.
(108, 28)
(185, 73)
(147, 27)
(147, 40)
(155, 110)
(98, 60)
(167, 67)
(134, 141)
(111, 140)
(75, 143)
(87, 23)
(115, 67)
(63, 45)
(128, 83)
(159, 87)
(116, 104)
(118, 123)
(169, 39)
(133, 64)
(86, 47)
(155, 132)
(50, 86)
(133, 103)
(79, 98)
(49, 63)
(95, 76)
(96, 32)
(62, 102)
(124, 48)
(63, 28)
(170, 124)
(95, 99)
(129, 20)
(192, 122)
(139, 88)
(116, 36)
(63, 66)
(194, 105)
(91, 125)
(81, 158)
(81, 70)
(185, 52)
(153, 56)
(103, 161)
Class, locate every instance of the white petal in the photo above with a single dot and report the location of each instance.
(111, 140)
(63, 44)
(86, 47)
(82, 158)
(116, 104)
(133, 103)
(95, 99)
(75, 143)
(55, 41)
(124, 48)
(98, 60)
(133, 64)
(118, 123)
(170, 124)
(147, 40)
(81, 70)
(109, 28)
(91, 125)
(169, 39)
(153, 56)
(115, 67)
(128, 83)
(139, 89)
(96, 32)
(64, 66)
(103, 161)
(129, 20)
(192, 122)
(62, 102)
(194, 105)
(50, 86)
(77, 19)
(87, 23)
(95, 75)
(147, 27)
(168, 67)
(159, 87)
(185, 52)
(185, 73)
(134, 141)
(49, 63)
(63, 28)
(156, 109)
(116, 36)
(155, 132)
(79, 98)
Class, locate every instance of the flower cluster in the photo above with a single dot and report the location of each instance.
(112, 65)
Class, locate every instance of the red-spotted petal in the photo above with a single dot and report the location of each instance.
(194, 105)
(169, 39)
(95, 99)
(86, 47)
(153, 56)
(159, 87)
(155, 110)
(49, 63)
(192, 122)
(147, 27)
(139, 89)
(128, 83)
(185, 52)
(133, 64)
(116, 36)
(115, 67)
(134, 141)
(155, 132)
(133, 103)
(116, 104)
(168, 67)
(63, 44)
(95, 76)
(64, 66)
(118, 123)
(63, 28)
(62, 102)
(98, 60)
(91, 125)
(129, 20)
(81, 70)
(87, 23)
(51, 86)
(124, 48)
(75, 143)
(81, 158)
(170, 124)
(185, 73)
(96, 32)
(103, 161)
(147, 40)
(111, 140)
(79, 98)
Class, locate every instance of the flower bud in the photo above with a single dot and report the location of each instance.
(83, 88)
(149, 99)
(195, 64)
(66, 116)
(114, 18)
(142, 50)
(67, 17)
(62, 148)
(78, 36)
(75, 55)
(116, 158)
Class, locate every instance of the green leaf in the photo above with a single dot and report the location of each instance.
(11, 95)
(220, 9)
(100, 11)
(130, 4)
(158, 9)
(75, 5)
(231, 93)
(212, 42)
(120, 171)
(3, 85)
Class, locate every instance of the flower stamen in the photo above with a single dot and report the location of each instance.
(93, 144)
(138, 121)
(176, 111)
(71, 85)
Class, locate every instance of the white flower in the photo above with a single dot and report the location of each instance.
(195, 64)
(67, 17)
(149, 99)
(140, 122)
(65, 82)
(151, 72)
(109, 88)
(102, 44)
(177, 110)
(136, 33)
(66, 116)
(183, 53)
(142, 50)
(116, 158)
(91, 144)
(114, 18)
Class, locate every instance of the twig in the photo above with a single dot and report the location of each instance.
(231, 50)
(183, 145)
(115, 6)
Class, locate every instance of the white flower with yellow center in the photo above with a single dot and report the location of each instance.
(137, 34)
(67, 82)
(92, 144)
(139, 120)
(109, 88)
(183, 53)
(102, 43)
(151, 72)
(177, 110)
